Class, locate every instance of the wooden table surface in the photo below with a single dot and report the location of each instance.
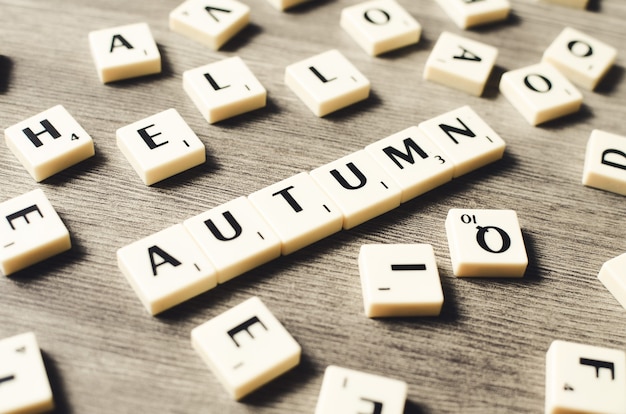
(485, 353)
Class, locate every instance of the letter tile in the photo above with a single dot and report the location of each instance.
(246, 347)
(460, 63)
(583, 59)
(235, 238)
(298, 210)
(400, 280)
(380, 26)
(585, 379)
(467, 140)
(224, 89)
(540, 93)
(470, 13)
(327, 82)
(49, 142)
(124, 52)
(160, 146)
(613, 276)
(166, 268)
(359, 186)
(210, 22)
(24, 385)
(486, 243)
(605, 162)
(30, 231)
(413, 160)
(578, 4)
(349, 391)
(286, 4)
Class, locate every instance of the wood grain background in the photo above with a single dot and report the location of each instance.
(484, 354)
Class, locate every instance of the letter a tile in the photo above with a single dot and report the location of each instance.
(605, 162)
(166, 268)
(613, 276)
(224, 89)
(30, 231)
(486, 243)
(49, 142)
(585, 379)
(246, 347)
(24, 385)
(470, 13)
(210, 22)
(124, 52)
(160, 146)
(327, 82)
(349, 391)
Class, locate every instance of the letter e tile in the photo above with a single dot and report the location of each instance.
(24, 385)
(605, 162)
(246, 347)
(349, 391)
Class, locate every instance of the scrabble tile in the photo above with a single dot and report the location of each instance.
(486, 243)
(31, 231)
(613, 277)
(286, 4)
(124, 52)
(298, 210)
(400, 280)
(413, 160)
(578, 4)
(24, 385)
(327, 82)
(540, 93)
(467, 141)
(49, 142)
(224, 89)
(234, 237)
(246, 347)
(359, 186)
(166, 268)
(585, 379)
(210, 22)
(605, 162)
(470, 13)
(349, 391)
(583, 59)
(460, 63)
(380, 26)
(160, 146)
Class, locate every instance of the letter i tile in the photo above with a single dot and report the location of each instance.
(246, 347)
(349, 391)
(605, 162)
(585, 379)
(166, 268)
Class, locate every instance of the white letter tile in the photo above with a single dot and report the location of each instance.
(605, 162)
(349, 391)
(160, 146)
(210, 22)
(413, 160)
(235, 238)
(613, 276)
(24, 385)
(583, 59)
(467, 140)
(327, 82)
(166, 268)
(298, 210)
(31, 231)
(466, 14)
(540, 93)
(486, 243)
(246, 347)
(49, 142)
(359, 186)
(380, 26)
(400, 280)
(585, 379)
(224, 89)
(286, 4)
(460, 63)
(124, 52)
